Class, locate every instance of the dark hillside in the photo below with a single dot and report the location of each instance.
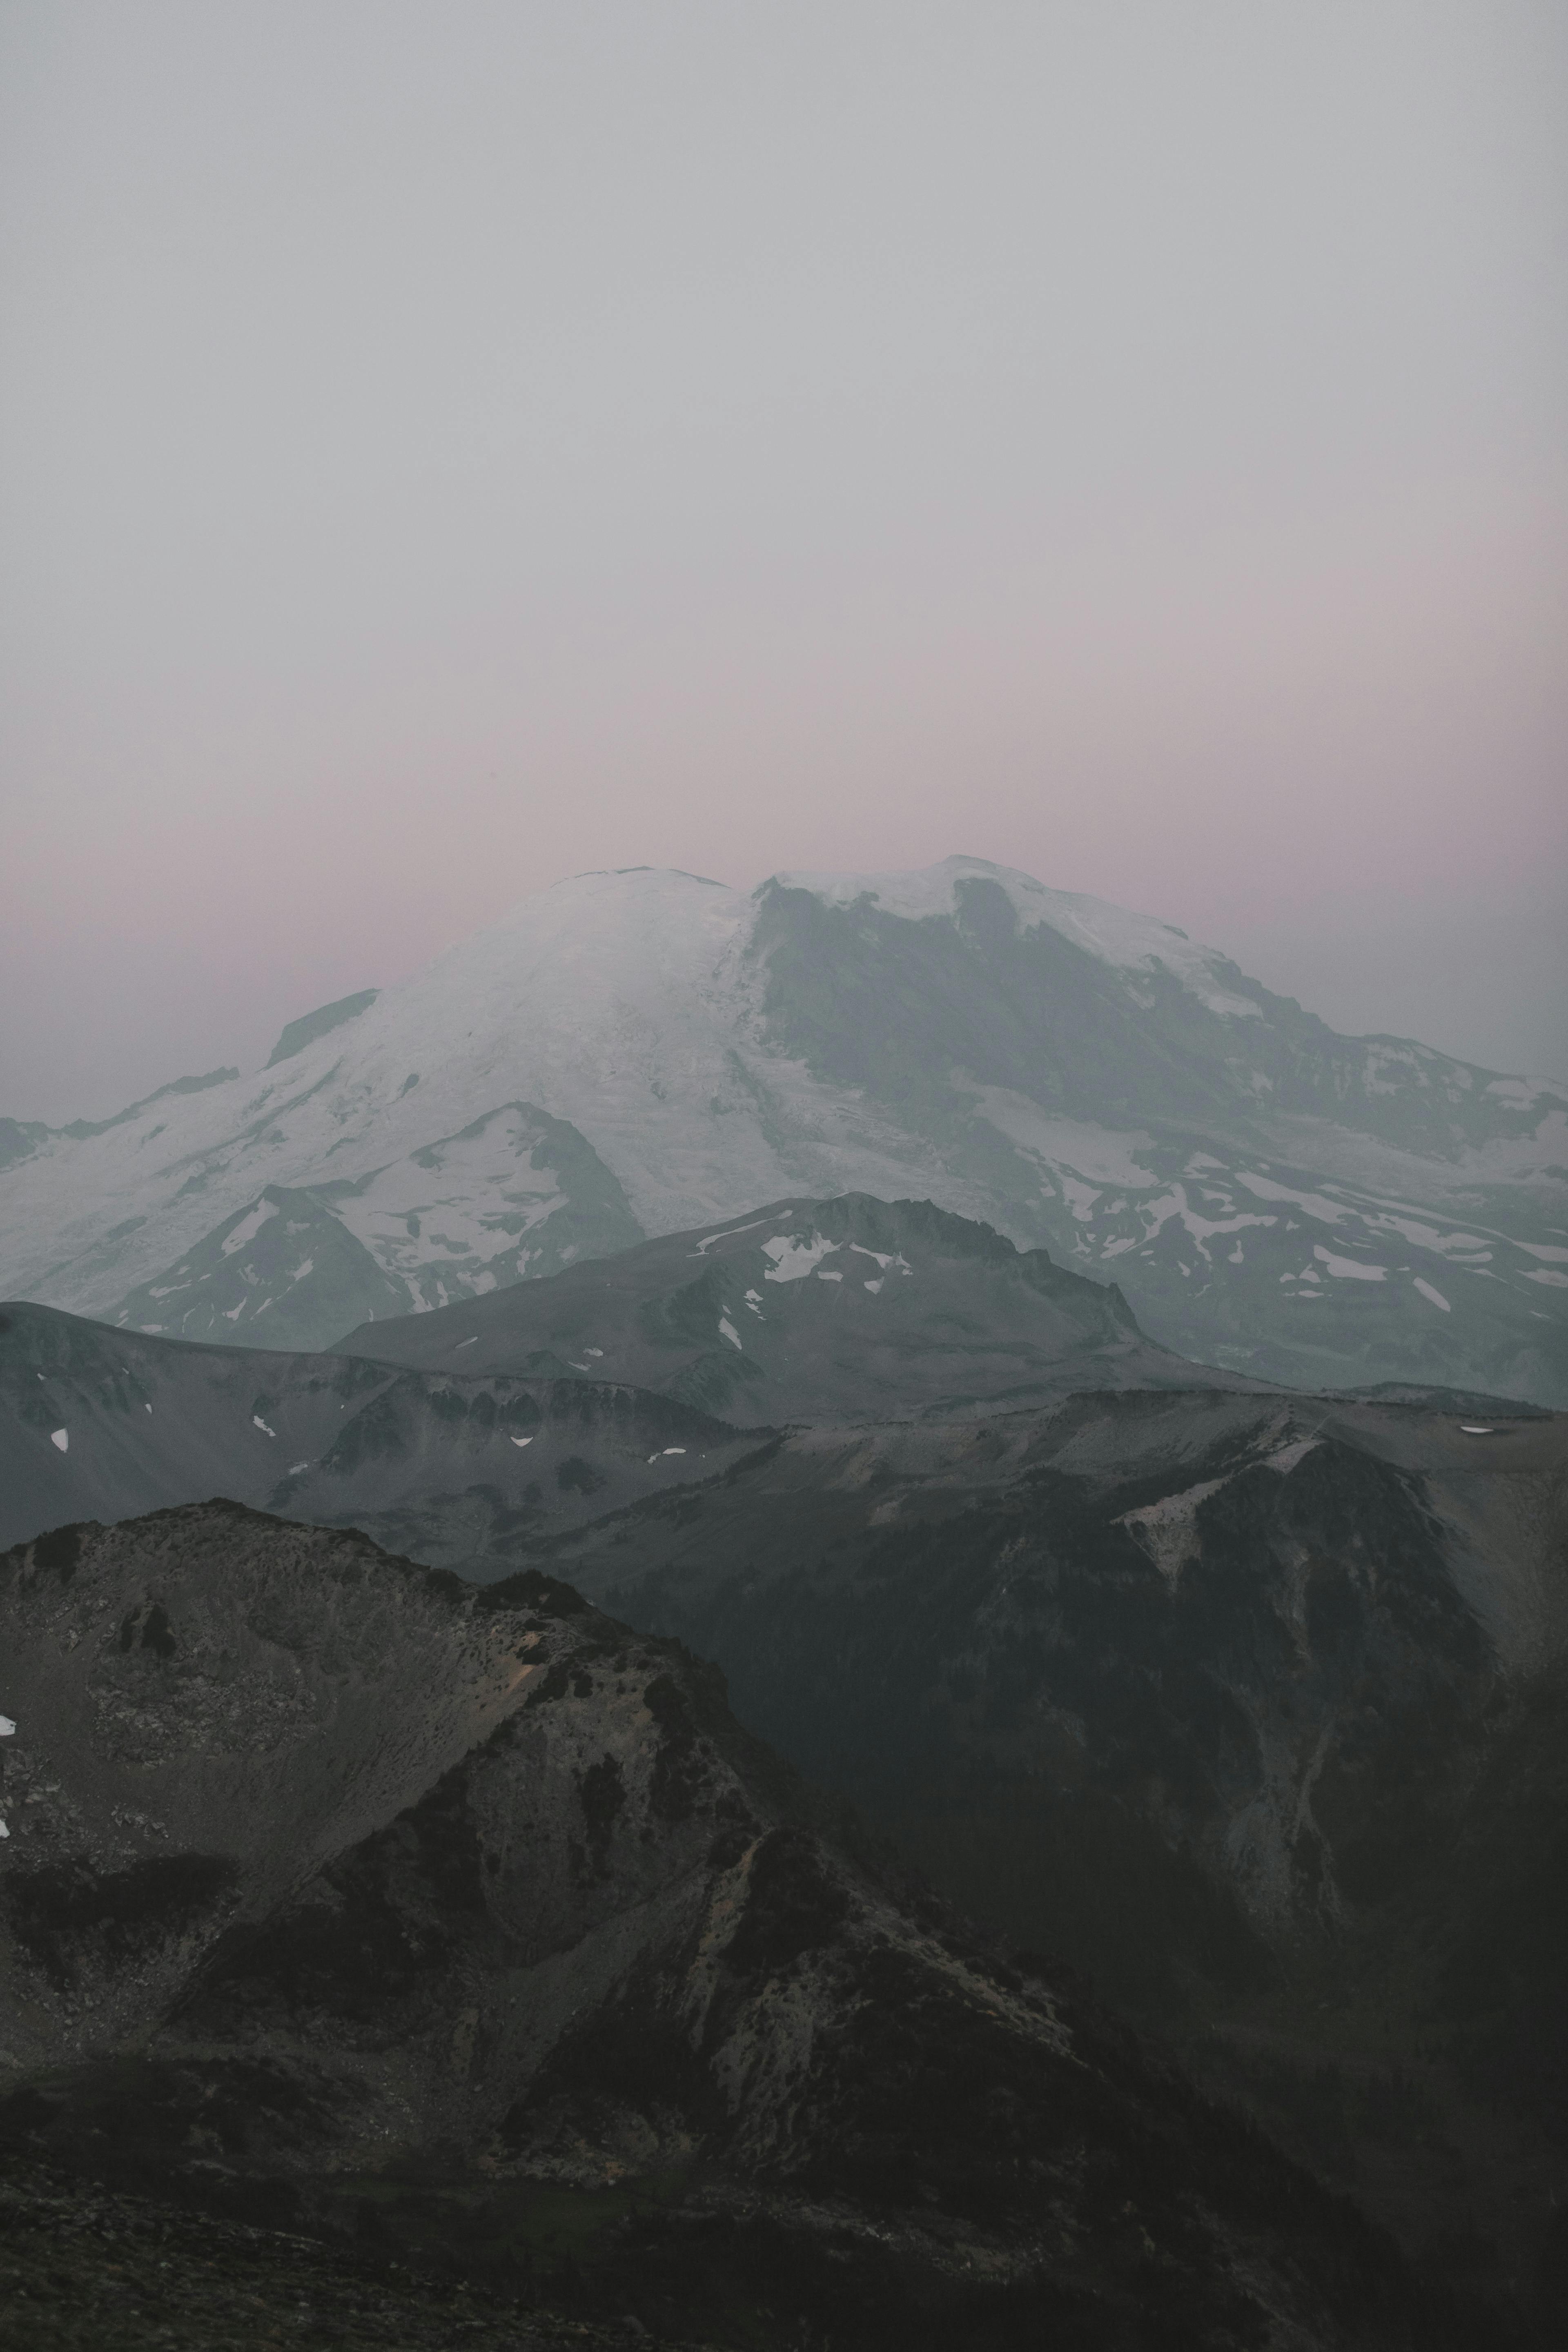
(343, 1898)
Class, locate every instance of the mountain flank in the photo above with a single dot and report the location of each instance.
(101, 1423)
(851, 1309)
(345, 1897)
(1254, 1709)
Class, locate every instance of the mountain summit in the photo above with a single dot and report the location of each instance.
(634, 1053)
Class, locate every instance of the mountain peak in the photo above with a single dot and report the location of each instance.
(633, 1053)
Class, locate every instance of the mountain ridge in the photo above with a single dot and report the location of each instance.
(344, 1895)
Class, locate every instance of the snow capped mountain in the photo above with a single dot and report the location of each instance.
(634, 1053)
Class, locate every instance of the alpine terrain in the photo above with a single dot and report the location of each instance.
(467, 1927)
(638, 1053)
(1254, 1709)
(584, 1391)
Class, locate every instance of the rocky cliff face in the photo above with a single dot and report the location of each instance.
(637, 1054)
(337, 1891)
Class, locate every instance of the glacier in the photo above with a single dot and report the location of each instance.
(637, 1052)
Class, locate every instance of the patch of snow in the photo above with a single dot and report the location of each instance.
(523, 1440)
(884, 1259)
(728, 1331)
(1544, 1249)
(1547, 1275)
(249, 1227)
(1477, 1429)
(876, 1285)
(1349, 1269)
(309, 1266)
(4, 1833)
(456, 1206)
(592, 1351)
(60, 1437)
(675, 1449)
(1079, 1198)
(1326, 1212)
(825, 1275)
(795, 1259)
(1157, 1213)
(7, 1729)
(1427, 1291)
(704, 1246)
(257, 1423)
(1425, 1236)
(1102, 1154)
(471, 1341)
(294, 1469)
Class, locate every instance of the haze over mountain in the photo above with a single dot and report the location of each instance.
(631, 1053)
(455, 1444)
(1248, 1701)
(814, 1310)
(106, 1425)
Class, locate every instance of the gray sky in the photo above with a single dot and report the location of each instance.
(443, 447)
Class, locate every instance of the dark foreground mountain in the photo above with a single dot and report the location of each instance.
(849, 1310)
(85, 2268)
(104, 1425)
(629, 1054)
(1254, 1709)
(469, 1926)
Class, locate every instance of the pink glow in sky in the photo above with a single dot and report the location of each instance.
(443, 449)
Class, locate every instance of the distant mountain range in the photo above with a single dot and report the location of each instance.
(637, 1054)
(807, 1310)
(453, 1440)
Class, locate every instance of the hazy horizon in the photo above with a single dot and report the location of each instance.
(442, 452)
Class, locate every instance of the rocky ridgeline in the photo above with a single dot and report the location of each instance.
(339, 1896)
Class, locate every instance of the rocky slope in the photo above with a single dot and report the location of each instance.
(637, 1054)
(852, 1309)
(95, 1424)
(339, 1892)
(453, 1439)
(1254, 1709)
